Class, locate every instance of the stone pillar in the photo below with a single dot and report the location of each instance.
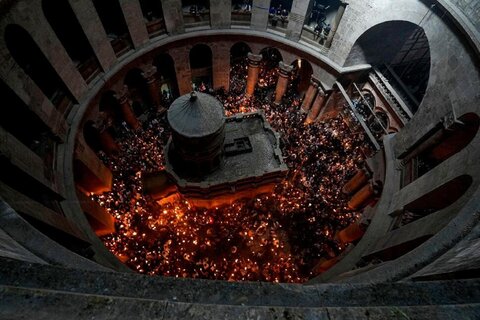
(182, 68)
(282, 82)
(126, 109)
(31, 18)
(221, 66)
(173, 15)
(100, 220)
(296, 19)
(362, 197)
(318, 104)
(351, 233)
(137, 28)
(356, 182)
(220, 17)
(336, 23)
(253, 70)
(92, 27)
(153, 87)
(91, 175)
(259, 20)
(310, 95)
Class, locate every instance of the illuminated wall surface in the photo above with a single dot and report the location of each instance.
(335, 176)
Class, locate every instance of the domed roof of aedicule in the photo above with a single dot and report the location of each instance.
(196, 115)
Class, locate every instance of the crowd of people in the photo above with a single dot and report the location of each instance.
(277, 237)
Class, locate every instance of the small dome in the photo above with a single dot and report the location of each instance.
(196, 115)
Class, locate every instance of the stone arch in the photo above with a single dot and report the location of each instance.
(21, 122)
(138, 90)
(403, 56)
(440, 145)
(238, 51)
(31, 59)
(271, 56)
(201, 63)
(167, 76)
(64, 23)
(302, 71)
(196, 12)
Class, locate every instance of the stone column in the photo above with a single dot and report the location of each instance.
(91, 175)
(137, 28)
(362, 197)
(173, 15)
(310, 95)
(126, 109)
(259, 20)
(182, 68)
(221, 66)
(253, 70)
(92, 27)
(152, 83)
(282, 82)
(351, 233)
(220, 17)
(336, 23)
(356, 182)
(296, 19)
(318, 104)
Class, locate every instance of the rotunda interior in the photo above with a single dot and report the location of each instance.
(280, 156)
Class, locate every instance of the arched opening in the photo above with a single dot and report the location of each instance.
(403, 57)
(26, 126)
(138, 90)
(436, 200)
(113, 22)
(110, 106)
(91, 136)
(196, 13)
(439, 146)
(238, 67)
(301, 76)
(153, 14)
(167, 77)
(241, 12)
(201, 66)
(278, 14)
(269, 67)
(64, 23)
(32, 60)
(319, 18)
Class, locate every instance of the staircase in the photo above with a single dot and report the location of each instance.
(39, 291)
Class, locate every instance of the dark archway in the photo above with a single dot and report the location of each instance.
(196, 12)
(153, 13)
(110, 106)
(64, 23)
(241, 12)
(167, 77)
(271, 57)
(113, 21)
(239, 51)
(91, 136)
(201, 66)
(302, 74)
(32, 60)
(17, 119)
(238, 67)
(402, 56)
(138, 89)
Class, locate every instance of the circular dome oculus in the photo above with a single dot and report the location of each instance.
(196, 115)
